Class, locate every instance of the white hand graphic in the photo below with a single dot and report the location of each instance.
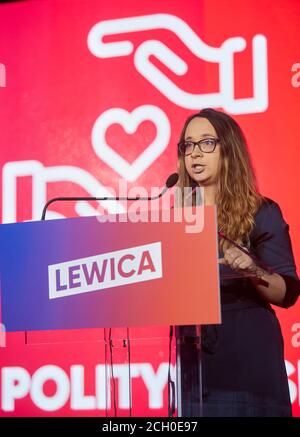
(224, 55)
(40, 177)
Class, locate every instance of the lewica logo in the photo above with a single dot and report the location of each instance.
(113, 269)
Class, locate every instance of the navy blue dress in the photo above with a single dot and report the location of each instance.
(243, 370)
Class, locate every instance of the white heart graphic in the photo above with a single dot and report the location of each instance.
(130, 121)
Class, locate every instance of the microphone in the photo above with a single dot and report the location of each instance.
(171, 181)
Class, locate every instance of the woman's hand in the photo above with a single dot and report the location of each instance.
(239, 261)
(271, 286)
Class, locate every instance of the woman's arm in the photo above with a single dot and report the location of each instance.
(272, 247)
(275, 289)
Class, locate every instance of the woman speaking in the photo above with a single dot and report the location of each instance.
(243, 369)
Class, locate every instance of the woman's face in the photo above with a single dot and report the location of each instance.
(202, 167)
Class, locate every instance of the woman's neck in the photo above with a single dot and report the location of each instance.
(210, 195)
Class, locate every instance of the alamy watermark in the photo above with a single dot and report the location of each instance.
(174, 205)
(2, 76)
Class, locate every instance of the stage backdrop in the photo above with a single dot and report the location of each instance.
(92, 92)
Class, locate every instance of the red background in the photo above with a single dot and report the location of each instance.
(56, 89)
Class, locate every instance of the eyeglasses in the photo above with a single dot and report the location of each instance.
(207, 145)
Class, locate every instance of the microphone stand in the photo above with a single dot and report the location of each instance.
(74, 199)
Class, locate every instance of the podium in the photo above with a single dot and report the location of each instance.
(90, 273)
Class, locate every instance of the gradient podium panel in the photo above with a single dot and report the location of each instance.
(83, 273)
